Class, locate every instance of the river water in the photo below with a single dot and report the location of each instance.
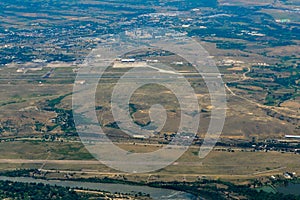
(290, 188)
(155, 193)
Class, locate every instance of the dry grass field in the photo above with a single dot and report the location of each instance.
(72, 158)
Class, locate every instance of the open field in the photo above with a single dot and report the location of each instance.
(73, 158)
(247, 116)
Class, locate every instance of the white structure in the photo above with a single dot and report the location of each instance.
(139, 137)
(128, 60)
(292, 136)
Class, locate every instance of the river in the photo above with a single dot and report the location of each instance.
(155, 193)
(290, 188)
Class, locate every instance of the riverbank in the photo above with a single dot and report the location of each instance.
(284, 186)
(154, 193)
(201, 189)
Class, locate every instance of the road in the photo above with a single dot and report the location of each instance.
(280, 110)
(86, 162)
